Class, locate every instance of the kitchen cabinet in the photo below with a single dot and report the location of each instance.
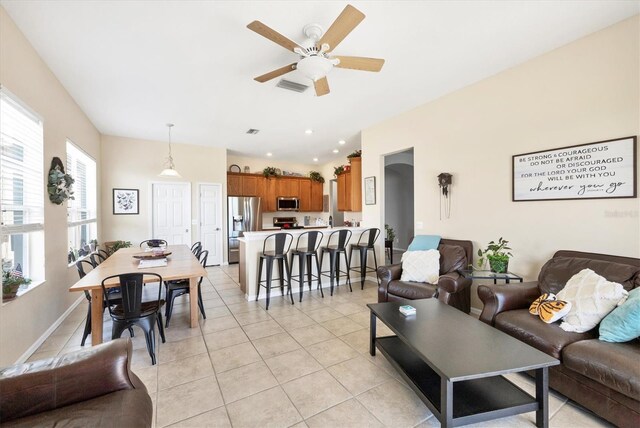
(350, 187)
(316, 196)
(304, 194)
(268, 189)
(234, 185)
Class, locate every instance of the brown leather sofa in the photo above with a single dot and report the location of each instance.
(92, 388)
(603, 377)
(452, 288)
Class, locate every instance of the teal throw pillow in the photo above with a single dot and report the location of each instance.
(424, 243)
(623, 323)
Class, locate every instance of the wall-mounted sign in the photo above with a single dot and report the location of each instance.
(604, 169)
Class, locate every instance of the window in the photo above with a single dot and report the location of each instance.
(81, 211)
(22, 189)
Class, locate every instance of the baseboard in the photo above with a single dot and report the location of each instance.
(33, 348)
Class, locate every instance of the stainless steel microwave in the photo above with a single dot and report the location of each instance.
(287, 204)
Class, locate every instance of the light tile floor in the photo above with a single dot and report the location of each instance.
(295, 365)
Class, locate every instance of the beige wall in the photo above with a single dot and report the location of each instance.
(135, 164)
(24, 320)
(583, 92)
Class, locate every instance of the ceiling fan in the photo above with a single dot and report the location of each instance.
(316, 60)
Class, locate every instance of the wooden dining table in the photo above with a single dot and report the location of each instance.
(181, 264)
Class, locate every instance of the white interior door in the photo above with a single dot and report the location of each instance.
(211, 221)
(172, 212)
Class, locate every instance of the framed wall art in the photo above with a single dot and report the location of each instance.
(370, 191)
(604, 169)
(126, 201)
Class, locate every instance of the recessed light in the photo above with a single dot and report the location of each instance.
(308, 131)
(269, 154)
(336, 151)
(315, 159)
(342, 142)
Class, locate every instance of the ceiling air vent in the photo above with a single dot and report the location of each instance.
(292, 86)
(253, 131)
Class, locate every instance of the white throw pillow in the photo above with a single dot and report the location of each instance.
(592, 297)
(421, 266)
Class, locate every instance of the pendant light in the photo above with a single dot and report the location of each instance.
(170, 170)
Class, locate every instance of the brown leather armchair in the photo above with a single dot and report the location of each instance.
(92, 388)
(452, 288)
(603, 377)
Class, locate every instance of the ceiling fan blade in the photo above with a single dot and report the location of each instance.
(322, 86)
(341, 27)
(272, 35)
(275, 73)
(360, 63)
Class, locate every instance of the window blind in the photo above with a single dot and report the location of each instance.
(21, 167)
(82, 209)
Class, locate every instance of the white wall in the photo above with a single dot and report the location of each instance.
(24, 320)
(134, 164)
(583, 92)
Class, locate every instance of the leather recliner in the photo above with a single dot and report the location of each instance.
(601, 376)
(92, 388)
(452, 288)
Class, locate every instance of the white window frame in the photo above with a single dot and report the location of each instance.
(94, 219)
(34, 263)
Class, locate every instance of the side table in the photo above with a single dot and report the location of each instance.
(388, 245)
(507, 277)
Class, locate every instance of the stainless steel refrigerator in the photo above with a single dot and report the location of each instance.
(244, 214)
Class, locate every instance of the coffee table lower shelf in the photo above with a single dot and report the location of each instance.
(474, 400)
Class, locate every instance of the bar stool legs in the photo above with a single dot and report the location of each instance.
(283, 266)
(334, 268)
(305, 261)
(363, 262)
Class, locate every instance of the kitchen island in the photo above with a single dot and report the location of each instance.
(251, 245)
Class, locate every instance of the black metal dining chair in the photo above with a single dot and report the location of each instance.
(133, 311)
(83, 267)
(306, 253)
(336, 245)
(196, 248)
(178, 288)
(281, 244)
(97, 258)
(153, 243)
(103, 253)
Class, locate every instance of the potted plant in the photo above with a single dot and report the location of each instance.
(116, 245)
(270, 172)
(337, 170)
(497, 254)
(315, 176)
(11, 282)
(390, 233)
(355, 154)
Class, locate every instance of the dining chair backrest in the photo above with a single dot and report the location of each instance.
(84, 266)
(204, 254)
(340, 238)
(370, 236)
(153, 243)
(103, 253)
(196, 248)
(131, 287)
(314, 238)
(97, 258)
(281, 243)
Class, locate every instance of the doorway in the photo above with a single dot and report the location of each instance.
(399, 200)
(171, 212)
(210, 196)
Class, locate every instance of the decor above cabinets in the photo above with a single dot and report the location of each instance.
(308, 191)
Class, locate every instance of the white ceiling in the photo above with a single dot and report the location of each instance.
(133, 66)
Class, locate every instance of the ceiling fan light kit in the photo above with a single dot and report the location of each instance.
(315, 61)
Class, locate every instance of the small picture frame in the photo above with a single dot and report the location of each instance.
(370, 191)
(126, 201)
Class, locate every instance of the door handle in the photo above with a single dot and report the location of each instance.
(217, 228)
(186, 230)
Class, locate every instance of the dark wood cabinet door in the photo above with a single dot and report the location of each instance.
(250, 186)
(270, 195)
(342, 192)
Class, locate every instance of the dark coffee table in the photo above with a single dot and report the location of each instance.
(454, 363)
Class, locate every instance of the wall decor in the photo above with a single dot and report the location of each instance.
(604, 169)
(59, 184)
(126, 201)
(370, 190)
(445, 181)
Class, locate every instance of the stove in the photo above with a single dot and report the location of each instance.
(286, 223)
